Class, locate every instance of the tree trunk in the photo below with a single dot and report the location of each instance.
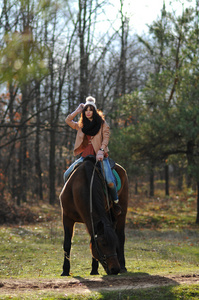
(24, 165)
(83, 53)
(197, 217)
(124, 37)
(18, 190)
(38, 188)
(23, 148)
(180, 178)
(190, 158)
(52, 170)
(151, 180)
(166, 180)
(136, 187)
(61, 167)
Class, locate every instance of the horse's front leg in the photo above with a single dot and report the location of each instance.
(121, 239)
(95, 265)
(68, 233)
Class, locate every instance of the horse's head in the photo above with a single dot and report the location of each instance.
(104, 248)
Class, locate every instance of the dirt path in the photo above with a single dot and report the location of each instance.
(81, 285)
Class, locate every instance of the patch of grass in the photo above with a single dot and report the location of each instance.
(157, 252)
(162, 212)
(53, 296)
(36, 251)
(158, 293)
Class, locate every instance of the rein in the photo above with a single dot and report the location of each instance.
(91, 200)
(102, 257)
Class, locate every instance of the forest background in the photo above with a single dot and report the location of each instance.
(53, 56)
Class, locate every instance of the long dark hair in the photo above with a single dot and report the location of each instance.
(97, 114)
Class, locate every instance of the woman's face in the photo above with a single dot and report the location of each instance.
(89, 113)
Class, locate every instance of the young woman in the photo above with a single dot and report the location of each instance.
(92, 139)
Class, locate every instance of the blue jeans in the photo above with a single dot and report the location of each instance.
(69, 170)
(109, 177)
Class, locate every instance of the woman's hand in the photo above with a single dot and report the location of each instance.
(100, 155)
(80, 108)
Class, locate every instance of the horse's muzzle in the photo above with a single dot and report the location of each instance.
(112, 266)
(113, 271)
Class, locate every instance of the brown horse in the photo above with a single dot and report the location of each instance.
(106, 230)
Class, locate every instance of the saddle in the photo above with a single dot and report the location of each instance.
(109, 203)
(112, 165)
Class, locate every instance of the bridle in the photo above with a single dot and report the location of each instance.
(102, 258)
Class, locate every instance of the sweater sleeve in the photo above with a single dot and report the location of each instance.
(105, 135)
(71, 123)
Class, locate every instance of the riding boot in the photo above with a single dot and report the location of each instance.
(116, 207)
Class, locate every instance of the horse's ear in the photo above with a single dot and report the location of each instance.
(100, 228)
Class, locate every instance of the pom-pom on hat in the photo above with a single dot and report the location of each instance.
(90, 101)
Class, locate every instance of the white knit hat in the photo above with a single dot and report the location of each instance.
(90, 101)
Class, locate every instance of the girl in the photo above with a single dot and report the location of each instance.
(92, 139)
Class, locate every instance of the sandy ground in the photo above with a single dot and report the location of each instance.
(85, 285)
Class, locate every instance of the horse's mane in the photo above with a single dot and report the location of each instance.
(97, 188)
(98, 201)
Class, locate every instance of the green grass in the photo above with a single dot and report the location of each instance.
(36, 251)
(160, 293)
(157, 252)
(161, 239)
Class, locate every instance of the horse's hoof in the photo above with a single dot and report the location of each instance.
(123, 270)
(94, 273)
(65, 274)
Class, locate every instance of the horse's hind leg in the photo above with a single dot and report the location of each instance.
(68, 233)
(95, 265)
